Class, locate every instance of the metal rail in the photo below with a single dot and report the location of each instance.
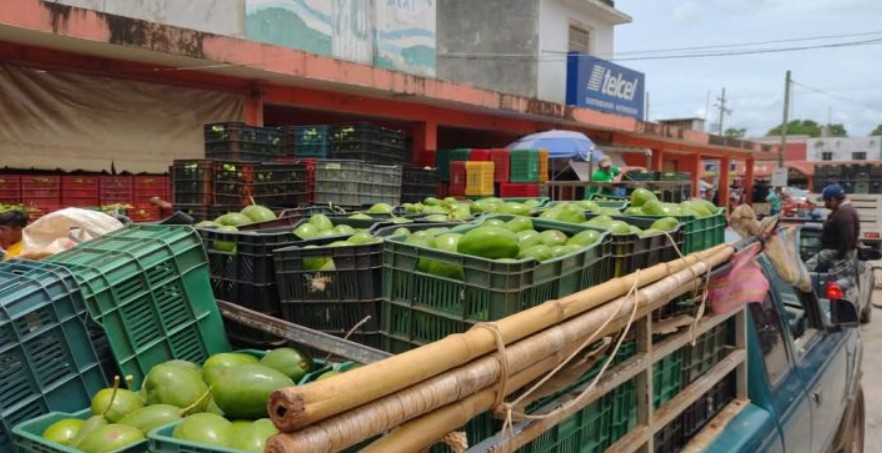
(300, 334)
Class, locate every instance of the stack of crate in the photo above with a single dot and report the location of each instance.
(239, 169)
(518, 173)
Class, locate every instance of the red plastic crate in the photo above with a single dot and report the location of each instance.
(310, 179)
(443, 190)
(146, 187)
(507, 190)
(457, 183)
(41, 187)
(479, 155)
(502, 164)
(10, 189)
(115, 189)
(144, 213)
(79, 191)
(37, 211)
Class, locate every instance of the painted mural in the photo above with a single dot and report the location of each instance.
(393, 34)
(299, 24)
(405, 35)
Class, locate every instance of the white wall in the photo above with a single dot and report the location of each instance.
(555, 17)
(221, 17)
(843, 147)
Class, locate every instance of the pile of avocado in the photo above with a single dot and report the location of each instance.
(222, 403)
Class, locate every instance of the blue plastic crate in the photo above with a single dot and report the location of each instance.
(47, 358)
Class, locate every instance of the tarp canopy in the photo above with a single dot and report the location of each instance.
(74, 121)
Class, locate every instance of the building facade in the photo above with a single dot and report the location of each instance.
(520, 46)
(842, 149)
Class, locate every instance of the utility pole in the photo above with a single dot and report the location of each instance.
(783, 145)
(721, 104)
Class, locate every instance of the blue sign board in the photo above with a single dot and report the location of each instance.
(600, 85)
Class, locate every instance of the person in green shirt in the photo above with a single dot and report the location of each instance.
(774, 199)
(606, 172)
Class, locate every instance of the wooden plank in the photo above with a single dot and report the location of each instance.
(301, 334)
(676, 341)
(673, 408)
(644, 382)
(741, 343)
(715, 426)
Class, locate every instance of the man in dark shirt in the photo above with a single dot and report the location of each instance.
(839, 237)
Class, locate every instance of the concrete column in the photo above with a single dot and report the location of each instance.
(425, 143)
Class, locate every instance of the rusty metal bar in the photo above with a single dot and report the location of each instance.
(299, 334)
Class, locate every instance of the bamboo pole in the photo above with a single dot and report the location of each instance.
(292, 408)
(390, 411)
(426, 430)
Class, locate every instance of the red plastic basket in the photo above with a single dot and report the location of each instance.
(146, 187)
(43, 191)
(457, 183)
(10, 189)
(502, 164)
(443, 190)
(479, 155)
(115, 189)
(79, 191)
(507, 190)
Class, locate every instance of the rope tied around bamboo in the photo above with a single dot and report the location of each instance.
(508, 408)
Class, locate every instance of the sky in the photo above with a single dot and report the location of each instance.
(849, 78)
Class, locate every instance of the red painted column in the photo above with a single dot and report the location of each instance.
(254, 106)
(724, 182)
(694, 169)
(658, 156)
(748, 180)
(425, 143)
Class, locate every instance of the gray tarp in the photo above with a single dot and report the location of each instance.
(51, 119)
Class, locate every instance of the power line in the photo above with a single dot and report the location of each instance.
(560, 57)
(752, 43)
(834, 96)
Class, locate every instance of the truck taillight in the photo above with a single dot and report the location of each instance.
(871, 235)
(834, 291)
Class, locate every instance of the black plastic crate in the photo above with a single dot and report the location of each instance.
(192, 182)
(708, 350)
(670, 439)
(418, 183)
(238, 141)
(708, 406)
(258, 297)
(276, 185)
(197, 212)
(333, 300)
(370, 143)
(642, 176)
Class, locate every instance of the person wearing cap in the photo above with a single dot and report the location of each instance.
(606, 172)
(839, 236)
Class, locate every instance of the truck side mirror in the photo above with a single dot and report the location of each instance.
(844, 313)
(869, 254)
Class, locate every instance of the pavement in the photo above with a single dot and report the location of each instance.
(872, 336)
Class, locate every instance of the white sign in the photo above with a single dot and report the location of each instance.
(779, 177)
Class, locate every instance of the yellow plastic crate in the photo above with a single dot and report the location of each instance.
(479, 178)
(543, 165)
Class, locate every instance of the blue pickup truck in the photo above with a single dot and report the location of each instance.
(804, 384)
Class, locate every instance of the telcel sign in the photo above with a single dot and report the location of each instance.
(601, 85)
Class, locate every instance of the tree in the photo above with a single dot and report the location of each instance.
(737, 133)
(810, 128)
(877, 131)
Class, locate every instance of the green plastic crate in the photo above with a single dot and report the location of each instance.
(667, 377)
(420, 308)
(615, 204)
(524, 165)
(444, 157)
(29, 435)
(49, 362)
(149, 287)
(701, 233)
(631, 252)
